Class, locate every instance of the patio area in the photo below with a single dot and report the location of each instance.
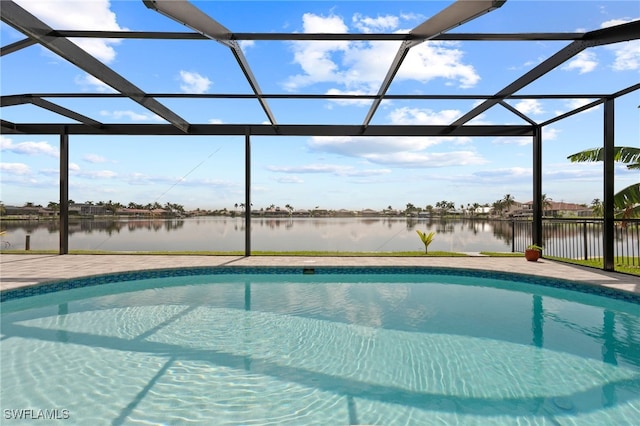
(26, 270)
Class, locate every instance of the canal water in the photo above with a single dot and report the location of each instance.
(267, 234)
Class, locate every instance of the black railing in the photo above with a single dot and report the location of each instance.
(581, 239)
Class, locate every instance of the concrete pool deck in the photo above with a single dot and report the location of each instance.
(18, 270)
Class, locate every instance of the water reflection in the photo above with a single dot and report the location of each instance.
(267, 234)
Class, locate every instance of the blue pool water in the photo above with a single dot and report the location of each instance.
(328, 347)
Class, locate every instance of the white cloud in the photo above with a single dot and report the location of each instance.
(333, 169)
(15, 168)
(403, 151)
(424, 116)
(572, 104)
(289, 179)
(548, 134)
(584, 62)
(503, 174)
(192, 82)
(215, 121)
(89, 82)
(628, 53)
(94, 158)
(28, 148)
(80, 15)
(577, 103)
(427, 117)
(426, 159)
(131, 115)
(438, 59)
(395, 151)
(368, 25)
(103, 174)
(516, 140)
(311, 168)
(90, 174)
(529, 106)
(362, 146)
(246, 44)
(361, 66)
(360, 102)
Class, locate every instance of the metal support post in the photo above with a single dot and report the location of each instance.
(537, 187)
(247, 194)
(609, 207)
(64, 193)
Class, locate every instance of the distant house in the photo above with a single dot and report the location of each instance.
(482, 210)
(143, 212)
(368, 212)
(559, 209)
(132, 212)
(87, 209)
(21, 211)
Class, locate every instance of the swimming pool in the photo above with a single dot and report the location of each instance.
(237, 345)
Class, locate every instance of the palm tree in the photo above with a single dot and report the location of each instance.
(597, 207)
(546, 202)
(626, 201)
(508, 201)
(498, 206)
(54, 206)
(410, 208)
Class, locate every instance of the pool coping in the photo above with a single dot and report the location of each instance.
(121, 277)
(29, 272)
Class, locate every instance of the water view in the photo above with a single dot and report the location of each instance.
(267, 234)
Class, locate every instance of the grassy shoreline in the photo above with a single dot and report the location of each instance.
(591, 263)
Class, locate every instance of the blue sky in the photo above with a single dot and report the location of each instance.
(333, 173)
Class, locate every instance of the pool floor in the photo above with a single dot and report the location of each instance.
(336, 349)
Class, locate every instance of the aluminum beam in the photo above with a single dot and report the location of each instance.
(518, 113)
(65, 112)
(618, 33)
(8, 127)
(268, 130)
(189, 15)
(35, 100)
(18, 45)
(23, 21)
(172, 35)
(452, 16)
(11, 99)
(14, 100)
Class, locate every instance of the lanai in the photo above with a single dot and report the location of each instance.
(206, 27)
